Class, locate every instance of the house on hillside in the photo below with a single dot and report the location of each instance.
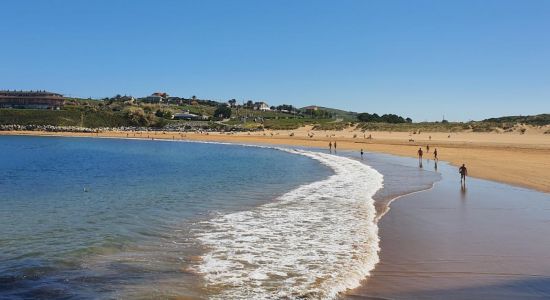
(175, 100)
(311, 108)
(31, 99)
(153, 99)
(128, 99)
(162, 94)
(186, 115)
(157, 97)
(261, 106)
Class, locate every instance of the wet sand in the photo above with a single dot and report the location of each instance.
(487, 241)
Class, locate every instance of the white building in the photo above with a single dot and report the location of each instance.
(261, 106)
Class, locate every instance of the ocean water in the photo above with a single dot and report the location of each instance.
(88, 218)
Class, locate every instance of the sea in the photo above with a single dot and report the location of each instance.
(101, 218)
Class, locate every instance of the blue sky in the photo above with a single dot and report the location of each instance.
(423, 59)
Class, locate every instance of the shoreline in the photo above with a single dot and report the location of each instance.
(507, 159)
(440, 260)
(473, 242)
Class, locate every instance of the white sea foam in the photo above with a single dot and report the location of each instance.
(313, 242)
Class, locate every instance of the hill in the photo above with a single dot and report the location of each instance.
(348, 116)
(536, 120)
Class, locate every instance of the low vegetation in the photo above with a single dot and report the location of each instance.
(121, 112)
(536, 120)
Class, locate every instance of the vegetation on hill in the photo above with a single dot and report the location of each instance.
(536, 120)
(125, 111)
(388, 118)
(348, 116)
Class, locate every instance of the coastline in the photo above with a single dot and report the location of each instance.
(443, 228)
(512, 159)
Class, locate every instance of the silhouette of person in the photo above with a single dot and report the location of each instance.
(334, 146)
(361, 153)
(330, 146)
(428, 148)
(435, 154)
(463, 172)
(420, 153)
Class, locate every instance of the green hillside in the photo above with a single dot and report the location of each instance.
(536, 120)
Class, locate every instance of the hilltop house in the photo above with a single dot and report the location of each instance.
(153, 99)
(128, 99)
(157, 97)
(311, 108)
(31, 99)
(261, 106)
(186, 115)
(174, 100)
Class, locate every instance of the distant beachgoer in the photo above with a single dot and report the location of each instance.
(435, 154)
(430, 137)
(334, 145)
(428, 148)
(330, 146)
(420, 153)
(361, 153)
(463, 172)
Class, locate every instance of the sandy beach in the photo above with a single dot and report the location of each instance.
(517, 159)
(487, 241)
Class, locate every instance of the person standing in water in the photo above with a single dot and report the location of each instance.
(334, 146)
(435, 154)
(420, 153)
(463, 172)
(361, 153)
(330, 146)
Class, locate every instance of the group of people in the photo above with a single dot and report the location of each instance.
(463, 171)
(421, 153)
(330, 146)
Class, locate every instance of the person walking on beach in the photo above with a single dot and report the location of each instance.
(463, 172)
(330, 146)
(435, 154)
(420, 153)
(427, 148)
(361, 153)
(334, 146)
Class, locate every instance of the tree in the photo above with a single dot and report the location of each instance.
(387, 118)
(222, 112)
(249, 104)
(232, 102)
(166, 114)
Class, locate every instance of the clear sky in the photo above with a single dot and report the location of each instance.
(423, 59)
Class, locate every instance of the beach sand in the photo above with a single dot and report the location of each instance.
(487, 241)
(518, 159)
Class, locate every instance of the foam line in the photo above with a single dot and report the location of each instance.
(313, 242)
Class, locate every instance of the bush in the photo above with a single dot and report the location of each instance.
(222, 112)
(138, 117)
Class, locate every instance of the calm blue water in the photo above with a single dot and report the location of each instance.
(106, 218)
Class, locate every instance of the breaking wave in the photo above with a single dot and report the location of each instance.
(312, 242)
